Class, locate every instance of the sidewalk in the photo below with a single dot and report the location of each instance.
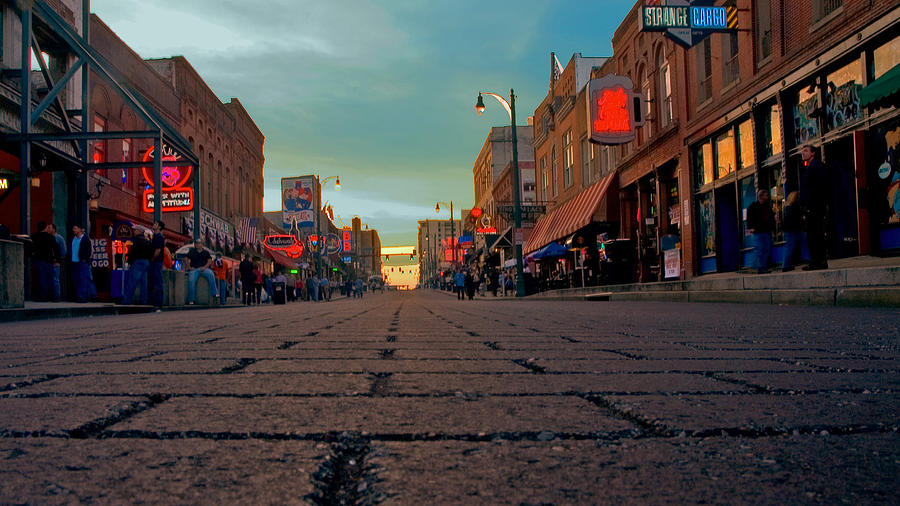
(857, 281)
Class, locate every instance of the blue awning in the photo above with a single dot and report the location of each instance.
(554, 249)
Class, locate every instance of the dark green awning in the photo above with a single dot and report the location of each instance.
(884, 91)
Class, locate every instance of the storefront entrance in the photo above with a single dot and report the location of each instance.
(728, 229)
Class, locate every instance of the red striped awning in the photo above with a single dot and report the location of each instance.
(568, 218)
(281, 259)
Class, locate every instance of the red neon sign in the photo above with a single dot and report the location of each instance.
(612, 112)
(285, 243)
(346, 241)
(176, 196)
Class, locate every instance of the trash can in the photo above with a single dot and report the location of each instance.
(278, 295)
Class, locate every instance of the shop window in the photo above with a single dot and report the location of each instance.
(127, 182)
(747, 188)
(706, 224)
(745, 134)
(730, 69)
(763, 27)
(886, 57)
(806, 126)
(842, 97)
(568, 159)
(703, 164)
(101, 148)
(704, 71)
(771, 131)
(725, 154)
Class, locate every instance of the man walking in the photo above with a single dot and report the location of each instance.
(813, 187)
(221, 271)
(459, 280)
(199, 261)
(158, 244)
(248, 280)
(80, 266)
(139, 254)
(760, 224)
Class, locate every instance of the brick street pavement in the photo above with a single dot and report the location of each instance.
(412, 398)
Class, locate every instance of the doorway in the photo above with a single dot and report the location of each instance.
(728, 229)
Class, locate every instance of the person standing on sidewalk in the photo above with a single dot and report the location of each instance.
(792, 225)
(760, 225)
(45, 255)
(139, 254)
(80, 266)
(459, 282)
(199, 261)
(257, 283)
(61, 245)
(813, 199)
(158, 246)
(220, 269)
(248, 280)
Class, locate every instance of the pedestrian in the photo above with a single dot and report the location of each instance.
(510, 284)
(792, 225)
(248, 280)
(298, 289)
(459, 283)
(80, 265)
(312, 283)
(357, 288)
(139, 254)
(469, 284)
(199, 262)
(45, 255)
(325, 288)
(257, 283)
(501, 284)
(495, 281)
(220, 269)
(61, 246)
(814, 200)
(267, 283)
(760, 225)
(157, 260)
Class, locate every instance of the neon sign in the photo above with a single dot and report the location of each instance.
(346, 241)
(614, 110)
(176, 195)
(4, 183)
(486, 225)
(287, 244)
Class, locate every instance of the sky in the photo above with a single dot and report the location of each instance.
(378, 92)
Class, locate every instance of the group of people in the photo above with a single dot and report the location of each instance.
(50, 254)
(804, 211)
(468, 282)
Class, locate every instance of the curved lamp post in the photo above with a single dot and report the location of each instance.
(321, 243)
(510, 107)
(437, 209)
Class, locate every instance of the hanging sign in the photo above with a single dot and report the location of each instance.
(287, 244)
(485, 225)
(331, 243)
(176, 195)
(686, 22)
(614, 109)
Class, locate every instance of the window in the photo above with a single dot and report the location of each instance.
(842, 102)
(545, 187)
(568, 159)
(725, 154)
(745, 135)
(101, 148)
(763, 29)
(586, 158)
(806, 126)
(703, 164)
(665, 92)
(822, 8)
(647, 99)
(730, 69)
(554, 172)
(127, 182)
(772, 131)
(704, 71)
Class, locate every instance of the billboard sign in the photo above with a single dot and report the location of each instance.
(686, 22)
(298, 202)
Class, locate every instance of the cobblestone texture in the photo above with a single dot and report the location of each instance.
(417, 398)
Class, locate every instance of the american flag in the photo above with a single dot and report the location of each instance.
(247, 232)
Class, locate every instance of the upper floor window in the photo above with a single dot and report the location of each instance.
(763, 29)
(101, 147)
(665, 91)
(568, 159)
(554, 172)
(545, 186)
(587, 156)
(730, 68)
(703, 55)
(822, 8)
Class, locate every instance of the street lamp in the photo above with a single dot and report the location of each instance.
(437, 209)
(321, 243)
(510, 107)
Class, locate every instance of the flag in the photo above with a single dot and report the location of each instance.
(556, 70)
(247, 231)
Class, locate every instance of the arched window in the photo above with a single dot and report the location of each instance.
(664, 89)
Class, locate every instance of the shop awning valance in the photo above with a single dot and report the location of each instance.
(569, 217)
(884, 91)
(281, 259)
